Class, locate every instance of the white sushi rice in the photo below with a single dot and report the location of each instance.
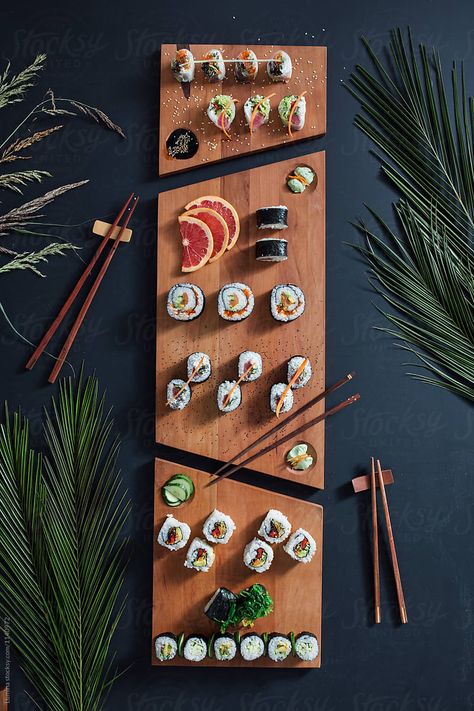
(166, 647)
(235, 399)
(247, 359)
(275, 394)
(306, 646)
(180, 402)
(279, 648)
(263, 111)
(218, 527)
(200, 556)
(195, 649)
(235, 302)
(304, 377)
(252, 647)
(183, 66)
(258, 556)
(240, 69)
(280, 68)
(216, 115)
(287, 302)
(225, 648)
(204, 370)
(185, 302)
(300, 546)
(275, 527)
(299, 114)
(214, 57)
(173, 534)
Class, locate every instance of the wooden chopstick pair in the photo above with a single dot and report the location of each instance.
(222, 474)
(129, 208)
(391, 542)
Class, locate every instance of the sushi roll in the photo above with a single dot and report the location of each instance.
(220, 605)
(252, 360)
(287, 302)
(301, 546)
(275, 396)
(258, 555)
(246, 66)
(275, 527)
(280, 68)
(221, 111)
(235, 302)
(270, 249)
(301, 177)
(306, 646)
(257, 111)
(178, 394)
(279, 647)
(304, 377)
(166, 647)
(213, 68)
(252, 647)
(173, 534)
(195, 648)
(272, 218)
(225, 648)
(229, 396)
(183, 66)
(200, 556)
(218, 527)
(198, 367)
(292, 111)
(185, 302)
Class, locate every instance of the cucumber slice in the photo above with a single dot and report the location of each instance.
(265, 641)
(237, 637)
(210, 645)
(169, 499)
(176, 491)
(184, 482)
(292, 640)
(180, 643)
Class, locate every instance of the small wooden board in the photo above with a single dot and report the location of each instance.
(200, 428)
(177, 111)
(180, 594)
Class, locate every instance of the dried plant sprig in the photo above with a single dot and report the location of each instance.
(17, 181)
(13, 87)
(98, 116)
(11, 152)
(29, 260)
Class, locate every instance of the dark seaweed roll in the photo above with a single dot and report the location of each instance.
(252, 647)
(269, 249)
(306, 646)
(195, 648)
(279, 647)
(166, 647)
(272, 218)
(220, 605)
(225, 648)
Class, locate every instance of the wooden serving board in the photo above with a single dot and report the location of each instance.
(180, 594)
(200, 427)
(177, 111)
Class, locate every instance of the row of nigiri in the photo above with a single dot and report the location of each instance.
(279, 67)
(291, 109)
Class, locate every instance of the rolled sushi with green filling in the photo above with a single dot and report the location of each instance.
(185, 302)
(252, 647)
(287, 302)
(304, 377)
(235, 301)
(257, 111)
(275, 527)
(279, 647)
(229, 396)
(195, 648)
(300, 546)
(258, 556)
(299, 458)
(287, 108)
(306, 646)
(221, 111)
(198, 367)
(173, 534)
(218, 527)
(166, 647)
(250, 366)
(300, 179)
(200, 556)
(225, 648)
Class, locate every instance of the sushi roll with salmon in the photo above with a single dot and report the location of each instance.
(198, 367)
(279, 67)
(218, 527)
(183, 66)
(300, 546)
(195, 648)
(221, 111)
(287, 302)
(292, 112)
(185, 302)
(258, 556)
(275, 527)
(200, 556)
(276, 394)
(225, 648)
(246, 66)
(173, 534)
(257, 111)
(279, 647)
(250, 366)
(304, 377)
(178, 394)
(235, 302)
(166, 646)
(213, 66)
(229, 396)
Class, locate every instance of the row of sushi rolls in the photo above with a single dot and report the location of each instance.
(221, 110)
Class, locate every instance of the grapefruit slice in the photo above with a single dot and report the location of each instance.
(197, 241)
(218, 227)
(225, 209)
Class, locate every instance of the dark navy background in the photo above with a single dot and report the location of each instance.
(106, 54)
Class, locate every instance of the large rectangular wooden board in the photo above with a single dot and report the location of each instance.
(200, 428)
(177, 111)
(180, 594)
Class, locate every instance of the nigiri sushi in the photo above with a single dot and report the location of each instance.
(292, 111)
(182, 66)
(257, 111)
(221, 111)
(214, 68)
(246, 66)
(279, 68)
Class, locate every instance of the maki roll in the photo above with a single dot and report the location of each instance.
(235, 302)
(301, 177)
(220, 605)
(218, 527)
(258, 555)
(213, 67)
(225, 648)
(306, 646)
(200, 556)
(198, 367)
(250, 366)
(229, 396)
(272, 218)
(275, 527)
(195, 648)
(185, 302)
(246, 66)
(279, 647)
(281, 398)
(304, 377)
(287, 302)
(173, 534)
(221, 111)
(301, 546)
(252, 647)
(182, 66)
(257, 111)
(166, 647)
(178, 394)
(292, 111)
(279, 68)
(270, 249)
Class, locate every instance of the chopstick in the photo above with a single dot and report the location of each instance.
(80, 282)
(393, 552)
(289, 419)
(287, 437)
(89, 298)
(375, 542)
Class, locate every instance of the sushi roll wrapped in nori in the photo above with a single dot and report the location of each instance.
(185, 302)
(250, 360)
(218, 527)
(300, 546)
(279, 647)
(252, 647)
(258, 555)
(246, 66)
(225, 648)
(301, 177)
(287, 302)
(195, 648)
(269, 249)
(178, 394)
(280, 68)
(166, 647)
(275, 527)
(182, 66)
(272, 218)
(306, 646)
(173, 534)
(229, 396)
(221, 111)
(198, 367)
(235, 302)
(292, 111)
(200, 556)
(257, 111)
(213, 67)
(220, 605)
(304, 377)
(276, 394)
